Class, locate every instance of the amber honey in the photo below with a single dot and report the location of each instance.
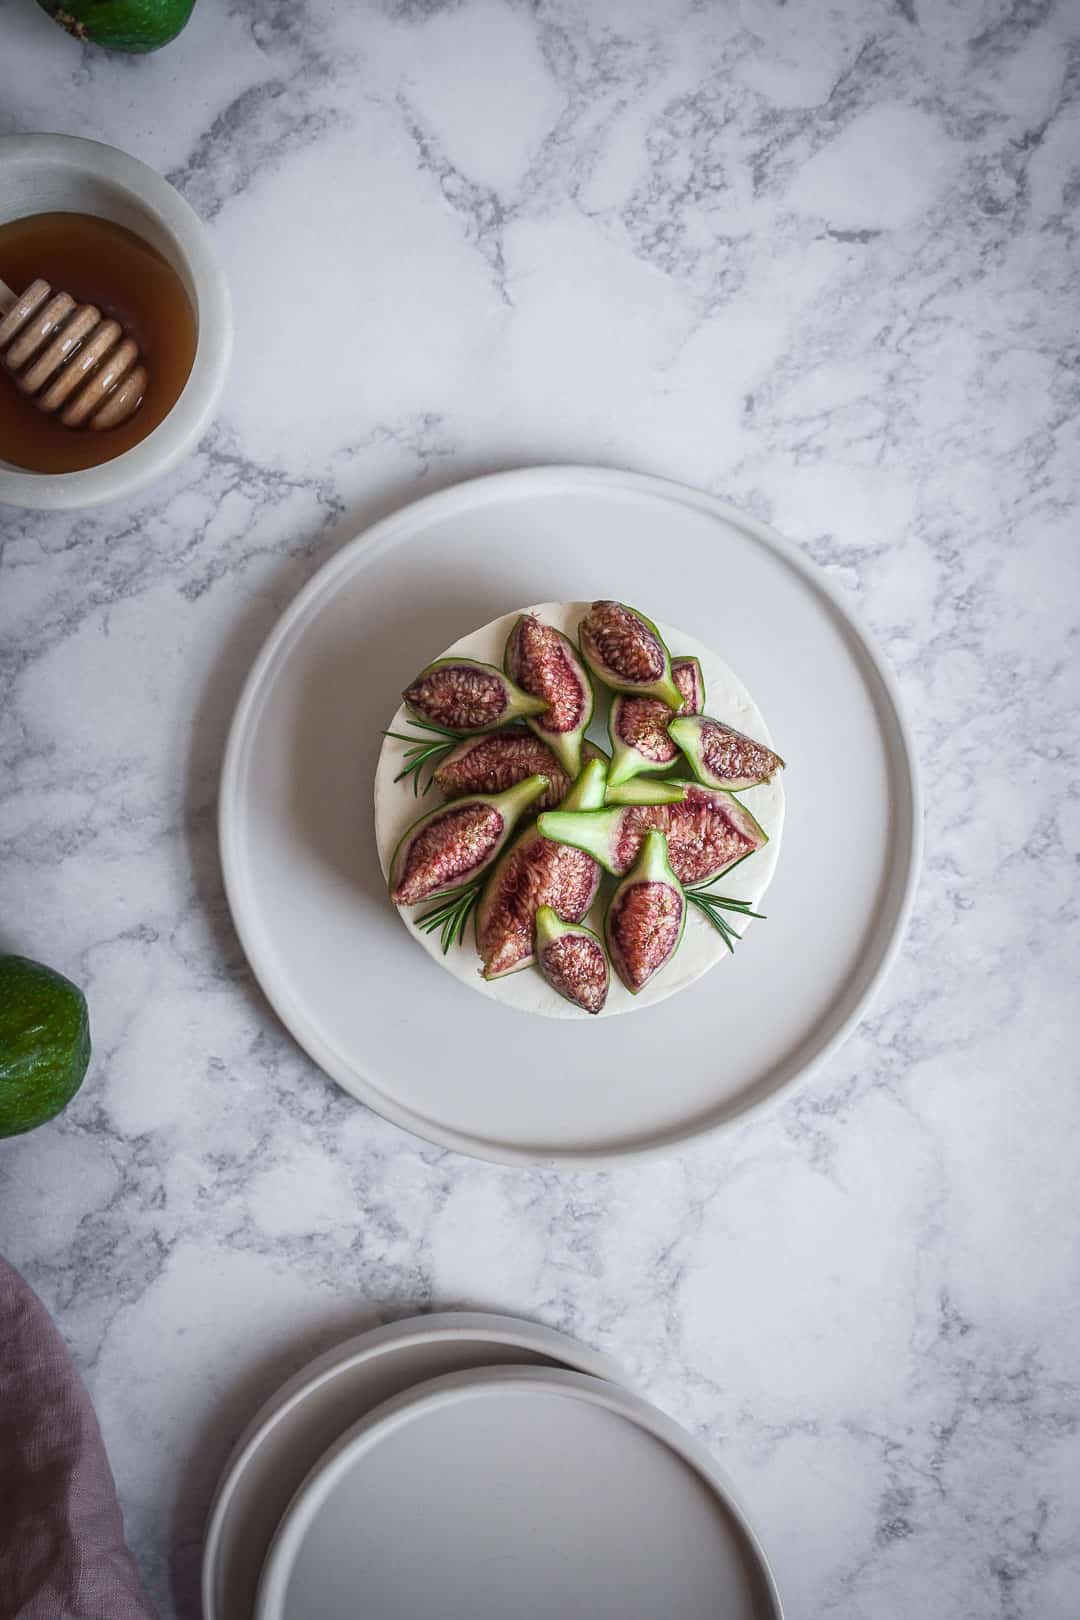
(99, 263)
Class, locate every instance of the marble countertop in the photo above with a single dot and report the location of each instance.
(821, 259)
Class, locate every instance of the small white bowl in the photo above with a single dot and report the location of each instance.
(62, 173)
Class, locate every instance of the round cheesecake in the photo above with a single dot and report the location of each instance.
(726, 699)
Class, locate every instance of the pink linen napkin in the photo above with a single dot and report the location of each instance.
(62, 1549)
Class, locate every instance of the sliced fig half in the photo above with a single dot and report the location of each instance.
(638, 726)
(495, 760)
(455, 843)
(626, 651)
(464, 695)
(708, 832)
(546, 664)
(721, 757)
(572, 960)
(689, 677)
(646, 917)
(535, 872)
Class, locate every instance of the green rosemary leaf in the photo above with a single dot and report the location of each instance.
(706, 904)
(461, 890)
(467, 909)
(432, 919)
(421, 751)
(704, 892)
(451, 915)
(415, 760)
(425, 725)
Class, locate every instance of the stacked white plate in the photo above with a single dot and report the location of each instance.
(471, 1467)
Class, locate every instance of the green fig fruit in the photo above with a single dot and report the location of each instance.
(721, 757)
(546, 664)
(134, 26)
(638, 726)
(44, 1043)
(460, 694)
(492, 761)
(454, 844)
(626, 651)
(535, 872)
(708, 832)
(646, 917)
(572, 960)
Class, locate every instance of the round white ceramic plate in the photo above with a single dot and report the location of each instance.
(396, 808)
(505, 1492)
(302, 871)
(323, 1400)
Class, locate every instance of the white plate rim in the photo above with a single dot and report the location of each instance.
(454, 1387)
(374, 1345)
(382, 536)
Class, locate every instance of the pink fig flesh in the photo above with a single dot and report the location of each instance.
(644, 928)
(686, 673)
(623, 643)
(703, 835)
(642, 723)
(534, 872)
(497, 760)
(576, 967)
(731, 756)
(542, 663)
(449, 849)
(461, 694)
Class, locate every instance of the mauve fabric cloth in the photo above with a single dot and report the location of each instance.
(62, 1549)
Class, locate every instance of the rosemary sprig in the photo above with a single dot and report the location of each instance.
(451, 915)
(713, 907)
(420, 752)
(426, 725)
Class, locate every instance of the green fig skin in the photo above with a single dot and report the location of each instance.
(134, 26)
(650, 895)
(468, 697)
(587, 792)
(720, 756)
(644, 790)
(660, 685)
(573, 961)
(530, 636)
(613, 836)
(497, 814)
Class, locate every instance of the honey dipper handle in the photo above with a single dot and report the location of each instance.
(69, 358)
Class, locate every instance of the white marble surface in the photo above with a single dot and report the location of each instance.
(821, 259)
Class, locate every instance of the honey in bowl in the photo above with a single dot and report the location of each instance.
(99, 263)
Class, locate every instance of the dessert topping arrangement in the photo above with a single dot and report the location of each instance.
(538, 821)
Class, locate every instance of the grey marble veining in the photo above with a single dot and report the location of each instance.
(822, 259)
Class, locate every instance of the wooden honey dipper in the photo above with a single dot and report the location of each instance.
(69, 357)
